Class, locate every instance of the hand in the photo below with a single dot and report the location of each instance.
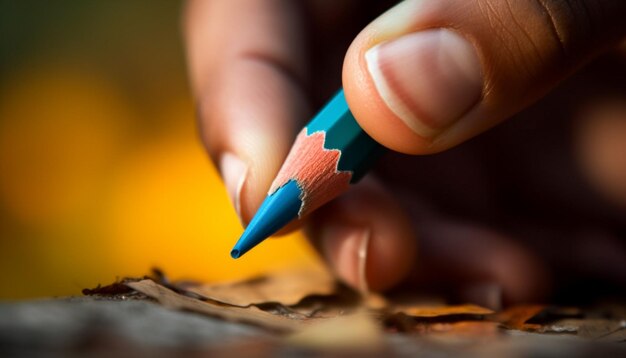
(533, 204)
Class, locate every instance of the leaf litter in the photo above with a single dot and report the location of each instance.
(313, 309)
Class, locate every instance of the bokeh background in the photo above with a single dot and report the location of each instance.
(102, 174)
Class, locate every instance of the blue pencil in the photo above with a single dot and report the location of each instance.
(329, 154)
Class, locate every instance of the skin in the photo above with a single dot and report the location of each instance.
(531, 208)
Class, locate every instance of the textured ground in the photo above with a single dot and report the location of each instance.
(139, 326)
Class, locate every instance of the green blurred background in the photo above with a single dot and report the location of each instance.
(102, 174)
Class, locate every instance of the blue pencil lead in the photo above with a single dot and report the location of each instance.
(276, 211)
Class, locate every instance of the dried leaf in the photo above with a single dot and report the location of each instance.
(402, 323)
(375, 301)
(616, 336)
(428, 312)
(286, 287)
(569, 325)
(516, 317)
(117, 288)
(422, 319)
(466, 328)
(602, 329)
(399, 322)
(353, 332)
(343, 301)
(552, 314)
(252, 315)
(608, 310)
(290, 301)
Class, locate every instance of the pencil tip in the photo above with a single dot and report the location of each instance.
(276, 211)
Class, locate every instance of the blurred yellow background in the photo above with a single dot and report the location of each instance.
(102, 172)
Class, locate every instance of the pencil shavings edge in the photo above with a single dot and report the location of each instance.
(251, 315)
(314, 168)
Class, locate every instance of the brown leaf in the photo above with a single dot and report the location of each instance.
(343, 301)
(552, 314)
(402, 323)
(251, 315)
(603, 329)
(440, 311)
(568, 325)
(285, 287)
(466, 328)
(517, 316)
(116, 288)
(354, 332)
(619, 335)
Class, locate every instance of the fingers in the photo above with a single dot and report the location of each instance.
(365, 237)
(247, 65)
(478, 263)
(370, 243)
(429, 74)
(600, 133)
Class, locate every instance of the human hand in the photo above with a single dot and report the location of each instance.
(452, 219)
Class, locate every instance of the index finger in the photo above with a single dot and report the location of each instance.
(247, 67)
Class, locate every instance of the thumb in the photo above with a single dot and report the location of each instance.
(430, 74)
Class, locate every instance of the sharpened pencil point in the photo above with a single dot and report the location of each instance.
(328, 155)
(276, 211)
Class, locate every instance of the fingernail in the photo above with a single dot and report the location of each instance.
(346, 250)
(234, 172)
(429, 79)
(486, 294)
(364, 244)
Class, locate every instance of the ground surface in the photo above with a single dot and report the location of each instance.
(132, 326)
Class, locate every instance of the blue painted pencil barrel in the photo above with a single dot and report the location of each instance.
(358, 149)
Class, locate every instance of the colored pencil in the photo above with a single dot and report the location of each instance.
(329, 154)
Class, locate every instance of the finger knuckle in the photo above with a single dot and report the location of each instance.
(570, 23)
(540, 33)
